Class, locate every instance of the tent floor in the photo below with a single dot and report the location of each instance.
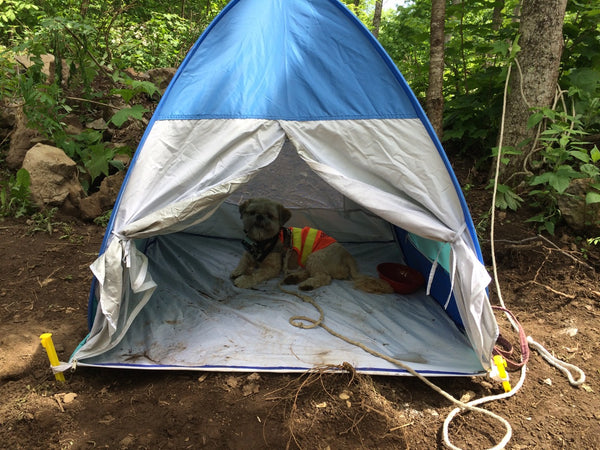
(199, 320)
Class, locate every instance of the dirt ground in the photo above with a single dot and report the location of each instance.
(551, 286)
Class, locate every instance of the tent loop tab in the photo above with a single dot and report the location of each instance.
(459, 233)
(434, 266)
(455, 240)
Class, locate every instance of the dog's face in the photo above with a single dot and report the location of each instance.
(263, 218)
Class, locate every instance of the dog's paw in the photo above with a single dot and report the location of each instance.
(244, 282)
(295, 276)
(312, 283)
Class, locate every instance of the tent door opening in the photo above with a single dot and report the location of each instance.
(197, 318)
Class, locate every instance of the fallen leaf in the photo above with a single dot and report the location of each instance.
(253, 377)
(232, 382)
(570, 331)
(127, 441)
(250, 388)
(46, 282)
(467, 396)
(68, 398)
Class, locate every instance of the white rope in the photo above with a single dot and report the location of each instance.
(63, 367)
(563, 366)
(494, 195)
(490, 398)
(559, 364)
(515, 389)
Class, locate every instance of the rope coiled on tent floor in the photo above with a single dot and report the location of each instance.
(306, 323)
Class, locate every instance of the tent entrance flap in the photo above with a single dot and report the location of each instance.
(197, 318)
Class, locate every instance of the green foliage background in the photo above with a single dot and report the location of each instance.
(476, 56)
(101, 42)
(481, 43)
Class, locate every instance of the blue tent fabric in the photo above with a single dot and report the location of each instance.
(294, 100)
(287, 61)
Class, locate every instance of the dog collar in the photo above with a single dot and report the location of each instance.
(260, 249)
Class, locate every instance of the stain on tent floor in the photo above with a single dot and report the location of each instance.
(44, 283)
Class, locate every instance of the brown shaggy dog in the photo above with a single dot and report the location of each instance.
(270, 248)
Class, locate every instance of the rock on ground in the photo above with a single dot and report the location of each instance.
(103, 200)
(54, 179)
(582, 217)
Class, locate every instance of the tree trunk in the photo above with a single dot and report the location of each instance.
(497, 15)
(377, 17)
(434, 103)
(533, 82)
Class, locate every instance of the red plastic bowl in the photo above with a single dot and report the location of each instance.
(404, 279)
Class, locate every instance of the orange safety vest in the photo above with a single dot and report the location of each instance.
(306, 240)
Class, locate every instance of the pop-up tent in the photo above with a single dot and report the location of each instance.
(296, 101)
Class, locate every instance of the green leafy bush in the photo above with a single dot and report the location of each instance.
(43, 104)
(162, 41)
(560, 157)
(15, 196)
(93, 156)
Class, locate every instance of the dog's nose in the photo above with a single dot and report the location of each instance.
(260, 217)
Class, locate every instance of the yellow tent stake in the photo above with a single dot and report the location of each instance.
(501, 365)
(47, 343)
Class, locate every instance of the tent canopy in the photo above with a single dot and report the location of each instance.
(295, 101)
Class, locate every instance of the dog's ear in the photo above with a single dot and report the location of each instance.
(243, 206)
(284, 214)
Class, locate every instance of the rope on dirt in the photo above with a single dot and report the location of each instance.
(559, 364)
(563, 366)
(479, 401)
(297, 321)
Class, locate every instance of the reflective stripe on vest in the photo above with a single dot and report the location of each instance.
(303, 240)
(306, 240)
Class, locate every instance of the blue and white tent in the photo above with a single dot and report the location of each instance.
(296, 101)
